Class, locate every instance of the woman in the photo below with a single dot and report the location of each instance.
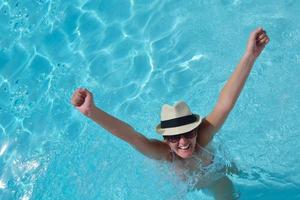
(185, 134)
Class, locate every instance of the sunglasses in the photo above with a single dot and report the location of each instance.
(176, 138)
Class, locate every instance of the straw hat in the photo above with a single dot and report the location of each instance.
(177, 119)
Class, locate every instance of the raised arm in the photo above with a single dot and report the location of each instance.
(83, 100)
(232, 89)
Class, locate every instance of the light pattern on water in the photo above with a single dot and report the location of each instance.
(136, 55)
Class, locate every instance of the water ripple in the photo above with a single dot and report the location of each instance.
(136, 55)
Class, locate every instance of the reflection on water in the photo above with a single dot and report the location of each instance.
(136, 55)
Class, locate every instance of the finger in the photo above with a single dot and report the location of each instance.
(81, 94)
(81, 98)
(255, 33)
(267, 41)
(261, 35)
(77, 95)
(263, 40)
(81, 91)
(79, 102)
(73, 99)
(75, 102)
(89, 95)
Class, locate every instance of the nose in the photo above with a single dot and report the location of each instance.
(183, 140)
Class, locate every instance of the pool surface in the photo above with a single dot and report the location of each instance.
(134, 56)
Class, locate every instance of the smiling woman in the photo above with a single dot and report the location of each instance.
(179, 126)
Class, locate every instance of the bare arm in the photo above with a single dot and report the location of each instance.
(83, 101)
(232, 89)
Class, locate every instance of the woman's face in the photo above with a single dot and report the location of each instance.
(183, 145)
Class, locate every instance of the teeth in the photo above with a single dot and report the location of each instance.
(184, 147)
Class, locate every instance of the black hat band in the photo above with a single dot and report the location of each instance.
(180, 121)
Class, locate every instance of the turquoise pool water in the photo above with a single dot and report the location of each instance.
(134, 56)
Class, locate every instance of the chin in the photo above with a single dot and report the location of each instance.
(185, 155)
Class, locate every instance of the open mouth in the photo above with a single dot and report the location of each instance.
(185, 148)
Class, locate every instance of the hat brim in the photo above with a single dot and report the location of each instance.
(179, 129)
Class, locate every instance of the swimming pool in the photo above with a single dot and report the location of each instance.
(134, 56)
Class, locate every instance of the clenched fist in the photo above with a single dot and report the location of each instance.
(82, 99)
(257, 41)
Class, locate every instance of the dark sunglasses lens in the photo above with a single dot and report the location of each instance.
(176, 138)
(172, 138)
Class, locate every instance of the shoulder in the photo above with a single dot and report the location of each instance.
(170, 155)
(160, 150)
(205, 132)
